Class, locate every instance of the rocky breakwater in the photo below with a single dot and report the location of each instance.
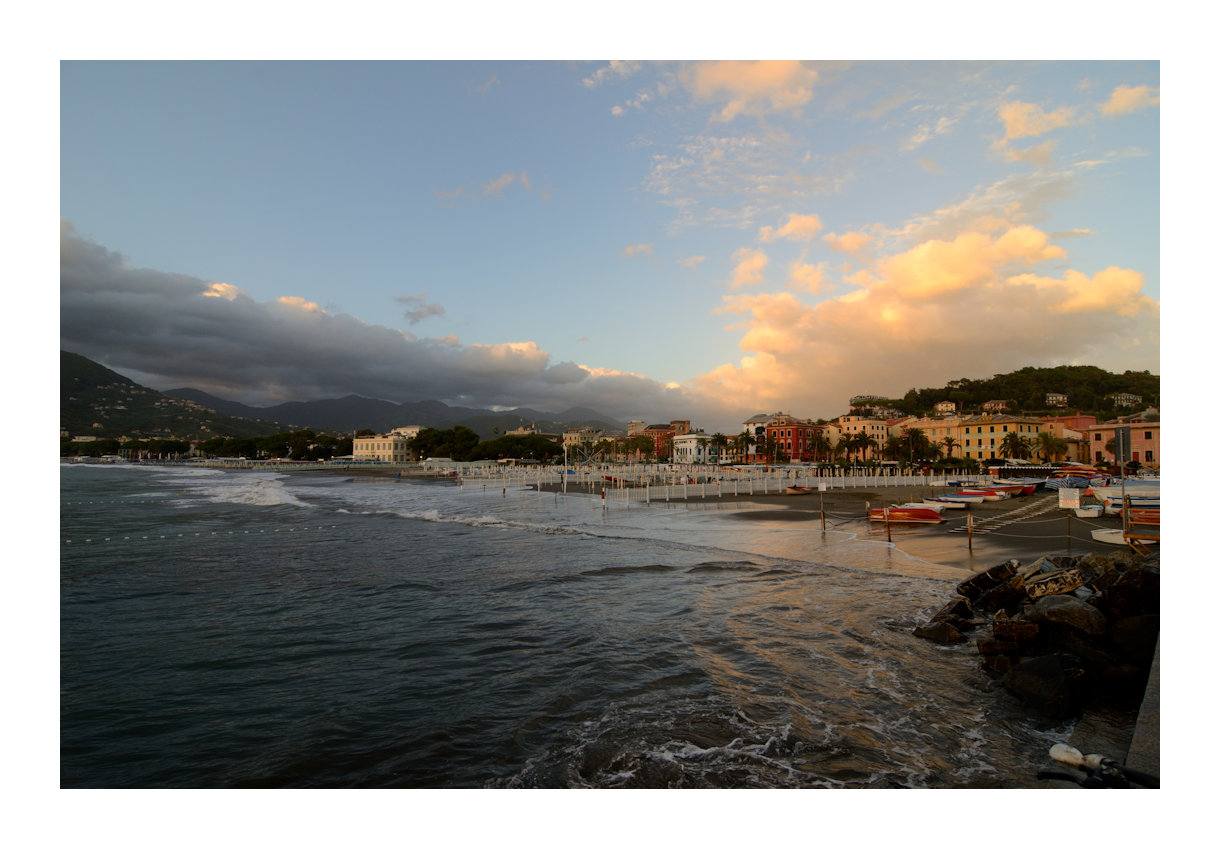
(1062, 633)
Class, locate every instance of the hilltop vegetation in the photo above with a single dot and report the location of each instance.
(95, 401)
(1085, 386)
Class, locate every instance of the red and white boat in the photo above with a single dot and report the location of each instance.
(988, 494)
(910, 514)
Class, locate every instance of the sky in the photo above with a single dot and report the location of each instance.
(660, 240)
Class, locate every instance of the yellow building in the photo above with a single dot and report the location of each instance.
(386, 447)
(977, 437)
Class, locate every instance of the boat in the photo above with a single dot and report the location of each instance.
(963, 498)
(1013, 489)
(1093, 511)
(947, 501)
(939, 508)
(1114, 536)
(799, 490)
(988, 494)
(919, 515)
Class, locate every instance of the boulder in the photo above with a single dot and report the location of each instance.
(1053, 684)
(1054, 583)
(1131, 593)
(1016, 630)
(1070, 611)
(1135, 637)
(940, 632)
(976, 585)
(1002, 597)
(956, 613)
(990, 645)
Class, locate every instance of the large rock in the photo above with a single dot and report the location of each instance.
(1054, 583)
(1135, 637)
(1131, 593)
(1054, 684)
(940, 632)
(1070, 611)
(976, 585)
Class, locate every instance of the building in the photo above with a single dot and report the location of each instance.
(635, 427)
(1145, 443)
(692, 447)
(995, 406)
(1124, 399)
(794, 437)
(1056, 399)
(878, 429)
(386, 447)
(945, 408)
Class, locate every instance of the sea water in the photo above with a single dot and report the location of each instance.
(254, 629)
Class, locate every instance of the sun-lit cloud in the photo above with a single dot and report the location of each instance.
(849, 243)
(691, 262)
(1028, 119)
(805, 277)
(798, 228)
(616, 70)
(631, 250)
(939, 310)
(497, 186)
(749, 268)
(750, 88)
(1040, 155)
(221, 290)
(1126, 99)
(930, 165)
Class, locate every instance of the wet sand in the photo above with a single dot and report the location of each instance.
(1024, 528)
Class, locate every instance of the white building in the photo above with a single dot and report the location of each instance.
(386, 447)
(693, 447)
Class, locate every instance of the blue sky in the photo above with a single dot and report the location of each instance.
(659, 240)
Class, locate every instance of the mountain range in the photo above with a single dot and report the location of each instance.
(97, 401)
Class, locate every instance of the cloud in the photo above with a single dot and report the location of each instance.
(750, 88)
(969, 305)
(614, 71)
(632, 250)
(497, 186)
(929, 164)
(418, 308)
(808, 278)
(691, 262)
(750, 264)
(1028, 119)
(852, 243)
(172, 330)
(799, 228)
(1126, 99)
(1041, 155)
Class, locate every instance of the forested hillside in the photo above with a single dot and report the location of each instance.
(1085, 386)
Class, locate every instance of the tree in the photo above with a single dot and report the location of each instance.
(719, 442)
(1014, 445)
(1050, 446)
(950, 443)
(742, 443)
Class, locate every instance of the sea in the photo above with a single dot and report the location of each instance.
(259, 629)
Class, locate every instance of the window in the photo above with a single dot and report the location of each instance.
(1097, 437)
(1148, 435)
(1147, 456)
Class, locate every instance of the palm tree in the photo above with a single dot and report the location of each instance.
(820, 445)
(719, 442)
(1050, 446)
(1014, 445)
(950, 443)
(742, 443)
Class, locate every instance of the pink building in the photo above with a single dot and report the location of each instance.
(1145, 443)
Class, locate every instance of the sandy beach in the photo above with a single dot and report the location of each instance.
(1023, 527)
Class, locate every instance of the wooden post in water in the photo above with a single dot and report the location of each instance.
(970, 530)
(822, 507)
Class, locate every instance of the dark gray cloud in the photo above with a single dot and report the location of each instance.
(171, 330)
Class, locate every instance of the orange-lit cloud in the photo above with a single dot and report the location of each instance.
(750, 265)
(222, 290)
(632, 250)
(849, 243)
(799, 228)
(751, 88)
(941, 310)
(1028, 119)
(804, 277)
(1125, 99)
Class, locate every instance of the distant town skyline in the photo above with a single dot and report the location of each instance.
(655, 240)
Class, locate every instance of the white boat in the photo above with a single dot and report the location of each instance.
(935, 501)
(939, 508)
(1114, 536)
(1091, 512)
(957, 498)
